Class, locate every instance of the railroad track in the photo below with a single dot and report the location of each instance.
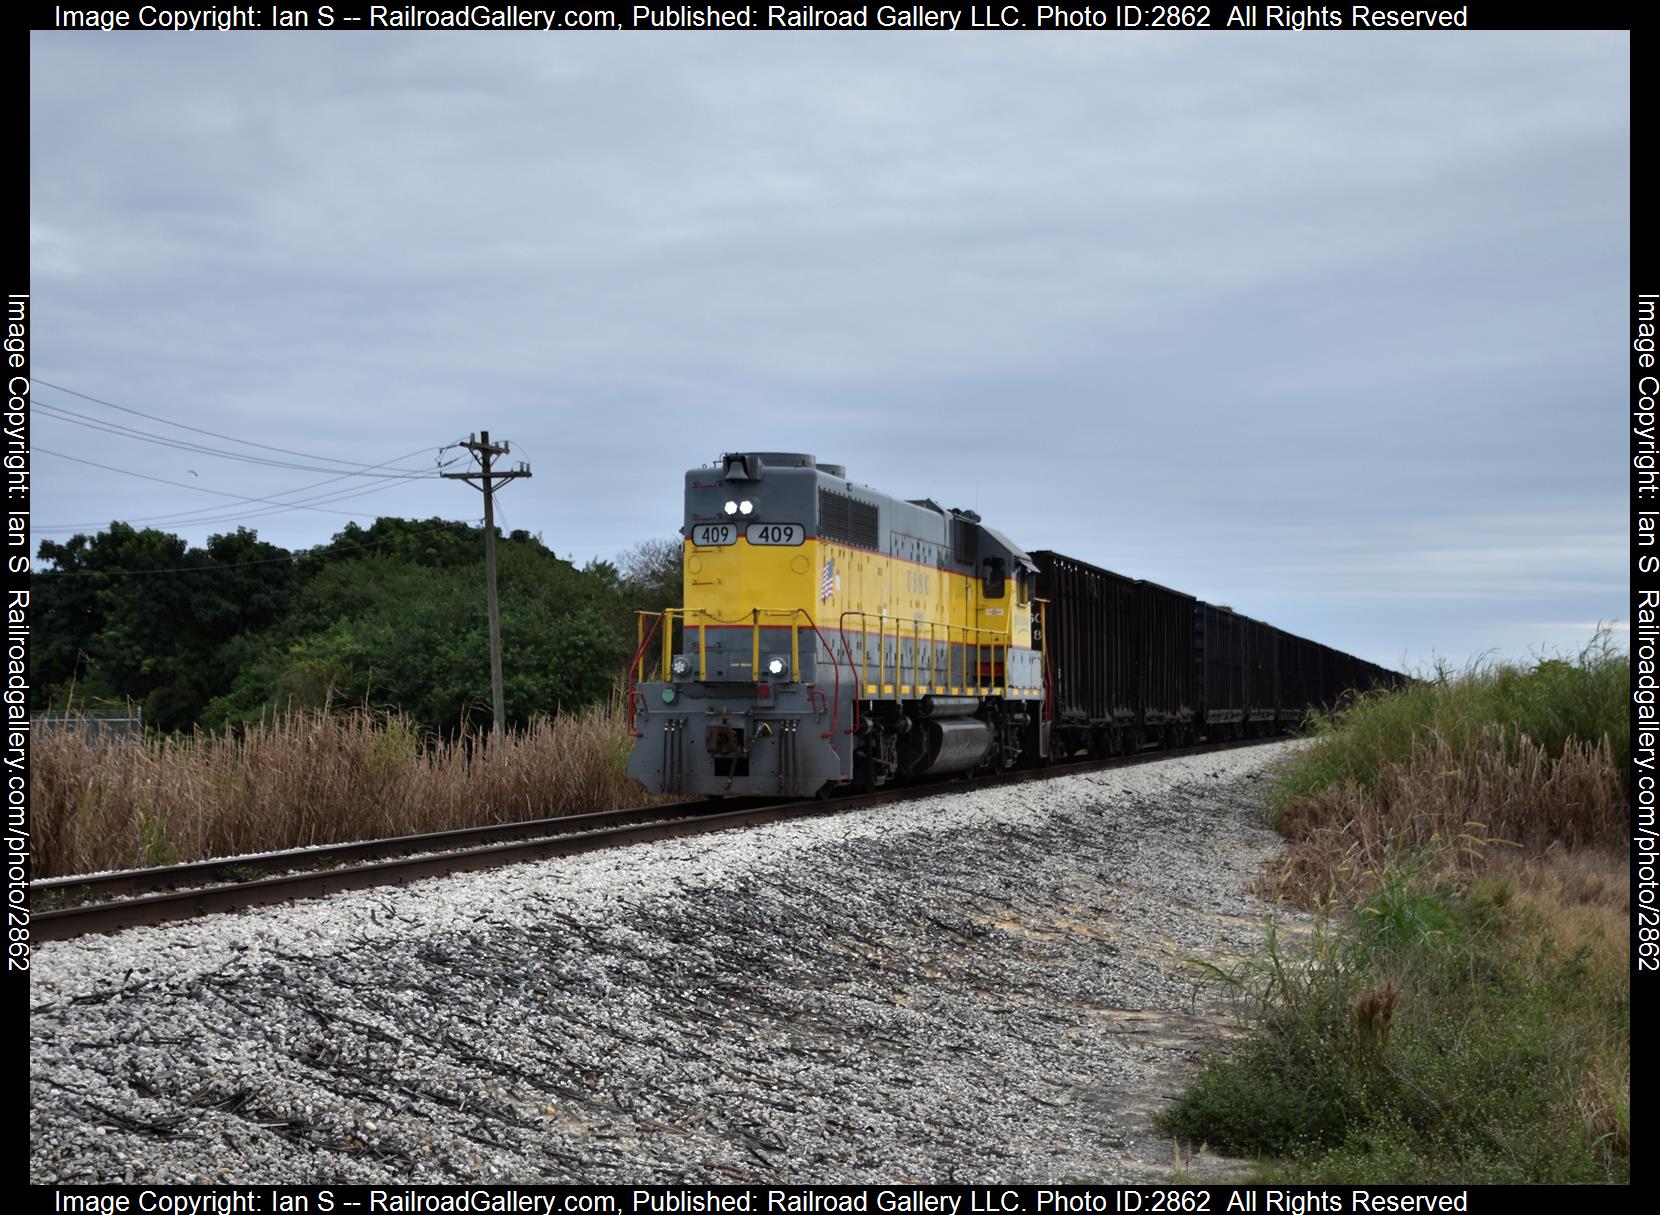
(112, 901)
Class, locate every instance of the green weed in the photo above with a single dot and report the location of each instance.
(1436, 1034)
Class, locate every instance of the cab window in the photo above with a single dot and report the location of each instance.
(992, 584)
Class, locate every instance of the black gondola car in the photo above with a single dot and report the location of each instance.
(1089, 631)
(1262, 675)
(1120, 657)
(1297, 677)
(1169, 694)
(1220, 645)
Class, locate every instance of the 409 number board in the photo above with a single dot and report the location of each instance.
(713, 535)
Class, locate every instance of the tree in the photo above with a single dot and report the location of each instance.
(651, 575)
(141, 615)
(390, 615)
(383, 630)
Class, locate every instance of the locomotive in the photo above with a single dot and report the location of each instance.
(834, 636)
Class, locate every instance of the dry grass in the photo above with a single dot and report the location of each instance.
(1581, 902)
(307, 779)
(1466, 809)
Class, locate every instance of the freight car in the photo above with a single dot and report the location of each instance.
(836, 636)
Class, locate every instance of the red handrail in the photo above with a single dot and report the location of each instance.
(835, 667)
(841, 627)
(633, 669)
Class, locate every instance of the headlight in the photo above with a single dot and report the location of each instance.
(776, 667)
(745, 507)
(681, 666)
(731, 508)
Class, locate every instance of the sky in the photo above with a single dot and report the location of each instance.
(1326, 327)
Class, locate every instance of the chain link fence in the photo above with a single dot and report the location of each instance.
(120, 724)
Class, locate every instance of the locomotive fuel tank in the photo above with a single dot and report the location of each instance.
(953, 745)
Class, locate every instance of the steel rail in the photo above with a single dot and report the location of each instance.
(634, 826)
(97, 886)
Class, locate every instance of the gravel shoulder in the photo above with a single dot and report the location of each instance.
(987, 986)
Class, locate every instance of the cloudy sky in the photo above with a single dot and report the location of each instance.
(1328, 327)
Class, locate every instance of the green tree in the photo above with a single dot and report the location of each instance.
(141, 615)
(391, 615)
(651, 574)
(382, 630)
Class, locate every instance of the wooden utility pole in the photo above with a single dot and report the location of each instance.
(486, 477)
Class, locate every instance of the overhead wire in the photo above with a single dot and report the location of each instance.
(129, 432)
(189, 518)
(205, 517)
(280, 503)
(200, 489)
(200, 430)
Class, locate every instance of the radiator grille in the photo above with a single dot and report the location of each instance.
(848, 520)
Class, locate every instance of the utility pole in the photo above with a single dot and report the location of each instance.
(486, 477)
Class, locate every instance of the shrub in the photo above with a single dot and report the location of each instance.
(1438, 1034)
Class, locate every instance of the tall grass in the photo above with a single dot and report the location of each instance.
(308, 779)
(1464, 808)
(1501, 756)
(1585, 699)
(1463, 1012)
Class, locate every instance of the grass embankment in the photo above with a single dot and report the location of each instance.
(307, 779)
(1462, 1010)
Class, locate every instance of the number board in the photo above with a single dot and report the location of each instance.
(775, 533)
(705, 535)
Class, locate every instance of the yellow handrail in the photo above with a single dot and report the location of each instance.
(960, 638)
(977, 645)
(703, 618)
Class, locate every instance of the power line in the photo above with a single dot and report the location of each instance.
(128, 432)
(199, 430)
(200, 489)
(190, 519)
(206, 517)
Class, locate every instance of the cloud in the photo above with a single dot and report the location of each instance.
(1329, 328)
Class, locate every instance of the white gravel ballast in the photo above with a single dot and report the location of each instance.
(986, 986)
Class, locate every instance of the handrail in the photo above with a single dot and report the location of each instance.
(1043, 661)
(633, 695)
(836, 670)
(702, 617)
(982, 641)
(634, 667)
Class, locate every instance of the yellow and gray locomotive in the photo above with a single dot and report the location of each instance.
(832, 636)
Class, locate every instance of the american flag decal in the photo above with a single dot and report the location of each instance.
(827, 581)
